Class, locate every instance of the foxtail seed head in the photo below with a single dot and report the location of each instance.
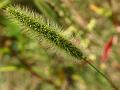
(45, 30)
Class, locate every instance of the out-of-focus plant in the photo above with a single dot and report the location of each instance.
(4, 3)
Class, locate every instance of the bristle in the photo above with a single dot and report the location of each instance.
(43, 29)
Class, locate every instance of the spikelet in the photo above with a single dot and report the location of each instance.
(40, 25)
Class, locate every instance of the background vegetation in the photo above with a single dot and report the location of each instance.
(29, 63)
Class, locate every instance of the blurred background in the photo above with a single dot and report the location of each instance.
(92, 25)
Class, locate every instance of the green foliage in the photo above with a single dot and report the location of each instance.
(4, 3)
(46, 9)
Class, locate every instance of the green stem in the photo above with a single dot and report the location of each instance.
(102, 74)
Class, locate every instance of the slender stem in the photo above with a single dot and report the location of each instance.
(29, 68)
(102, 74)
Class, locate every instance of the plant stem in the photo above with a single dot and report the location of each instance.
(102, 74)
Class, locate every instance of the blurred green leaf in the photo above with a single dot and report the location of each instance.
(46, 9)
(4, 3)
(8, 68)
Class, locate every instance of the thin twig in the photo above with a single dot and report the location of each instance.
(29, 68)
(105, 76)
